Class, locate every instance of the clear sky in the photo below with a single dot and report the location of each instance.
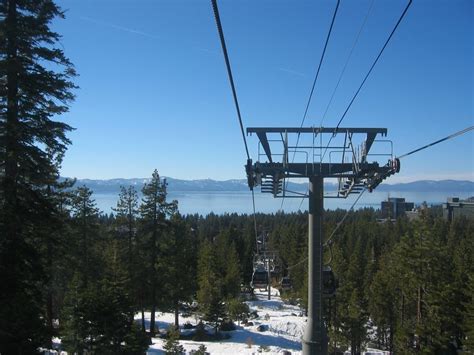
(154, 91)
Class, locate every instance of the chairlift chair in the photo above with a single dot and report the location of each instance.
(329, 282)
(259, 279)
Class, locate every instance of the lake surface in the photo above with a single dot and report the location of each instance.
(241, 202)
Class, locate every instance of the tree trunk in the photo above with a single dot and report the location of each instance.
(49, 297)
(153, 284)
(152, 316)
(130, 234)
(143, 320)
(85, 243)
(176, 315)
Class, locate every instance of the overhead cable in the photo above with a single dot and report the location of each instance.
(229, 71)
(356, 40)
(335, 229)
(314, 85)
(319, 67)
(236, 101)
(344, 218)
(374, 63)
(438, 141)
(367, 75)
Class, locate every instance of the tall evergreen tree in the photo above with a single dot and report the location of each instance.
(231, 281)
(209, 293)
(154, 211)
(424, 277)
(126, 230)
(54, 241)
(177, 265)
(35, 78)
(127, 213)
(383, 301)
(97, 315)
(469, 317)
(85, 228)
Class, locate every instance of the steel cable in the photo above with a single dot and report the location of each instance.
(312, 88)
(229, 71)
(438, 141)
(236, 101)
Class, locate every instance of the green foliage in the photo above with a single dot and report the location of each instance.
(136, 342)
(231, 277)
(469, 316)
(201, 334)
(172, 346)
(202, 350)
(35, 87)
(424, 277)
(154, 213)
(84, 219)
(209, 295)
(177, 265)
(237, 309)
(227, 325)
(383, 301)
(96, 315)
(126, 220)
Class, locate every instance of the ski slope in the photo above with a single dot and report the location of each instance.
(284, 328)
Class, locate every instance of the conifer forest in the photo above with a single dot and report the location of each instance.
(73, 272)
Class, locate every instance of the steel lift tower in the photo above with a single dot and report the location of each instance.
(347, 159)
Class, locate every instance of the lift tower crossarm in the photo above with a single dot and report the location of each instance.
(334, 130)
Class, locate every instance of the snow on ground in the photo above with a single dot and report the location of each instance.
(284, 332)
(284, 328)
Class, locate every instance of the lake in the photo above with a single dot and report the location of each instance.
(241, 202)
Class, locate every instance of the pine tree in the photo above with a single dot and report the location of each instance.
(54, 237)
(469, 317)
(177, 265)
(209, 293)
(231, 282)
(228, 263)
(127, 213)
(237, 309)
(84, 219)
(125, 227)
(35, 86)
(383, 301)
(97, 315)
(461, 246)
(154, 212)
(425, 280)
(172, 345)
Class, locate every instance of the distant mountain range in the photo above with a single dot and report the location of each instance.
(112, 186)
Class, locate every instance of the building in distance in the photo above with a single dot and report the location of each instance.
(395, 207)
(455, 208)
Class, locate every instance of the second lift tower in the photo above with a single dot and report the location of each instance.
(339, 153)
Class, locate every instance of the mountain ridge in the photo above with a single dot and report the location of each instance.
(106, 186)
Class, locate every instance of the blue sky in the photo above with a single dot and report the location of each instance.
(154, 91)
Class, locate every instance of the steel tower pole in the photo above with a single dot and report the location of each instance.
(315, 338)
